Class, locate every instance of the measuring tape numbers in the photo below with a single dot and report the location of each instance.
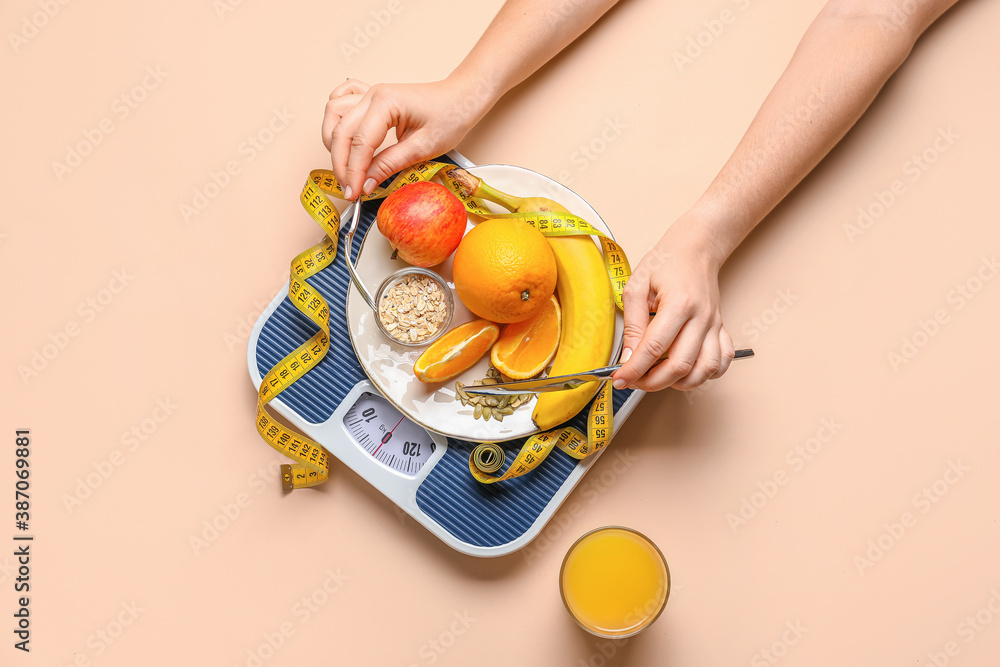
(488, 457)
(311, 460)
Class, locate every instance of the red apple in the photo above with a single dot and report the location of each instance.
(423, 221)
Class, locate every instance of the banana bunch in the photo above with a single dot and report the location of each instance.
(586, 298)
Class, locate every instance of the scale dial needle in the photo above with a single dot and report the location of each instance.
(385, 438)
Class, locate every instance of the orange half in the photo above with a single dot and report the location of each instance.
(456, 351)
(526, 348)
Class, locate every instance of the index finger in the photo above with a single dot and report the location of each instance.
(635, 307)
(370, 134)
(342, 137)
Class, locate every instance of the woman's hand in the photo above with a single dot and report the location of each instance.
(678, 280)
(847, 55)
(430, 119)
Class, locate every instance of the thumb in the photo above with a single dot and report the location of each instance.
(395, 158)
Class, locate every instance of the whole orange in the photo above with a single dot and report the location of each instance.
(504, 270)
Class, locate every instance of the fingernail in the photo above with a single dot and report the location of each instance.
(619, 384)
(348, 193)
(369, 186)
(626, 353)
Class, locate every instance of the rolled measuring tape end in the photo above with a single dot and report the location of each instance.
(571, 441)
(311, 459)
(488, 457)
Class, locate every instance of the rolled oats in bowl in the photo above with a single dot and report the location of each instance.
(415, 306)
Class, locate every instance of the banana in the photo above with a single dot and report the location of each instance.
(588, 329)
(586, 299)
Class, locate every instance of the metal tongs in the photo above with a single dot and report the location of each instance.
(349, 241)
(559, 382)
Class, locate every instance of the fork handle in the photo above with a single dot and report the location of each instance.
(744, 353)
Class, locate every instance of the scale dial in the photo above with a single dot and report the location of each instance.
(388, 436)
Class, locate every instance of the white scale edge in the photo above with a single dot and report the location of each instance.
(399, 488)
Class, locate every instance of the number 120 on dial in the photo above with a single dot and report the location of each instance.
(388, 437)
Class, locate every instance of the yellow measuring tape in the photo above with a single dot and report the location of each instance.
(555, 223)
(488, 457)
(312, 461)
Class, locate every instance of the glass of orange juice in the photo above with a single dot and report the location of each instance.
(614, 582)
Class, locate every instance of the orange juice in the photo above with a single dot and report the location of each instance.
(614, 581)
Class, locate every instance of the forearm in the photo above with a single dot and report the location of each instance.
(839, 67)
(522, 37)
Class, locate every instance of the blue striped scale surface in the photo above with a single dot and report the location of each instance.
(490, 515)
(477, 514)
(317, 394)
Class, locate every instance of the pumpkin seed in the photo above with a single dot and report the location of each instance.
(478, 412)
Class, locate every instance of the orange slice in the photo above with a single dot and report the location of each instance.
(526, 348)
(456, 351)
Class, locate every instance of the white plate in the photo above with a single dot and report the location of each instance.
(389, 365)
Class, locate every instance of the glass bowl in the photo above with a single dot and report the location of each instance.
(396, 278)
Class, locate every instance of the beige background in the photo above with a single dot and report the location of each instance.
(176, 333)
